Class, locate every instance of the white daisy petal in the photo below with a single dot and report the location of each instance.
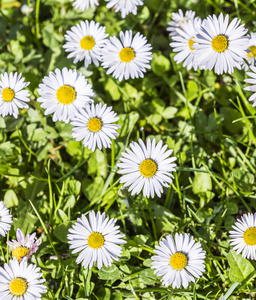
(99, 245)
(85, 4)
(127, 58)
(12, 94)
(5, 219)
(22, 281)
(124, 6)
(243, 237)
(183, 43)
(85, 42)
(219, 45)
(65, 93)
(94, 126)
(24, 246)
(146, 168)
(178, 19)
(182, 264)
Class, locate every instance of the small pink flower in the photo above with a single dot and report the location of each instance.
(24, 246)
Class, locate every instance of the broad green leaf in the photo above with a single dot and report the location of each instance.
(240, 267)
(109, 273)
(202, 183)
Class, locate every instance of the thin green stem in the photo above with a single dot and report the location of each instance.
(46, 231)
(37, 19)
(151, 217)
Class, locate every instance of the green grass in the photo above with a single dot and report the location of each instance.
(48, 179)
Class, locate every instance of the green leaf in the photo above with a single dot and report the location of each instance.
(202, 183)
(61, 231)
(10, 199)
(240, 267)
(109, 273)
(169, 112)
(160, 64)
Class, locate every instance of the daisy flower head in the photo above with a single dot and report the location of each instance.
(85, 41)
(24, 246)
(127, 58)
(183, 43)
(220, 45)
(178, 260)
(84, 4)
(251, 52)
(178, 19)
(252, 81)
(5, 219)
(94, 125)
(13, 94)
(243, 237)
(147, 167)
(21, 281)
(124, 6)
(64, 93)
(97, 239)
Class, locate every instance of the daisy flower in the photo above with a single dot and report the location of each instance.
(179, 260)
(251, 52)
(183, 43)
(124, 6)
(243, 237)
(13, 94)
(85, 4)
(24, 246)
(147, 167)
(64, 93)
(127, 58)
(178, 19)
(5, 219)
(252, 81)
(21, 281)
(97, 239)
(219, 45)
(85, 41)
(94, 126)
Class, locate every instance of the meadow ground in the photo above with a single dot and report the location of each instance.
(48, 179)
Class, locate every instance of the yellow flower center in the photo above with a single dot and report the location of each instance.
(253, 49)
(20, 252)
(87, 42)
(8, 94)
(127, 54)
(94, 124)
(148, 168)
(18, 286)
(178, 261)
(219, 43)
(66, 94)
(249, 54)
(250, 236)
(95, 240)
(191, 43)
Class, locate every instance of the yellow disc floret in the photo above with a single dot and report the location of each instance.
(87, 42)
(250, 236)
(127, 54)
(66, 94)
(20, 252)
(178, 261)
(94, 124)
(8, 94)
(253, 49)
(18, 286)
(95, 240)
(148, 168)
(191, 43)
(219, 43)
